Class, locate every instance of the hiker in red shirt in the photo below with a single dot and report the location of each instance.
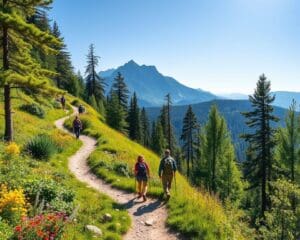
(142, 174)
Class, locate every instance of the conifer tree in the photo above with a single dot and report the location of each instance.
(134, 121)
(168, 130)
(115, 114)
(217, 152)
(157, 139)
(94, 83)
(145, 125)
(288, 147)
(19, 69)
(121, 90)
(261, 141)
(189, 137)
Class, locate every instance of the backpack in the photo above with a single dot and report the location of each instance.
(168, 166)
(141, 169)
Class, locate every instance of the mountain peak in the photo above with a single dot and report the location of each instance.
(131, 63)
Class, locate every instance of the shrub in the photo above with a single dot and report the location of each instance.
(75, 102)
(122, 169)
(56, 104)
(41, 227)
(33, 109)
(61, 139)
(5, 230)
(12, 204)
(55, 196)
(12, 149)
(41, 147)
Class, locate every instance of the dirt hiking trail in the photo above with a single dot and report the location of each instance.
(152, 212)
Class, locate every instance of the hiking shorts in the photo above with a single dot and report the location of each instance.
(142, 178)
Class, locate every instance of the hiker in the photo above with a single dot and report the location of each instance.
(166, 172)
(142, 173)
(77, 126)
(63, 102)
(81, 109)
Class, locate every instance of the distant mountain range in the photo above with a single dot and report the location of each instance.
(152, 87)
(230, 109)
(283, 98)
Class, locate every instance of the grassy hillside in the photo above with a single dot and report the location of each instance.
(22, 171)
(194, 213)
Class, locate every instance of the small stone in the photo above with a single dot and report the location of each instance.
(95, 230)
(149, 222)
(107, 217)
(118, 210)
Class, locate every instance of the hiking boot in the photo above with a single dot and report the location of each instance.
(144, 198)
(139, 195)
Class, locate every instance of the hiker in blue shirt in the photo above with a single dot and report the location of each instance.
(166, 172)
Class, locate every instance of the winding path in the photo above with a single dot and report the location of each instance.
(152, 212)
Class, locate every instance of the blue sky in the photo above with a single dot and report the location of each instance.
(217, 45)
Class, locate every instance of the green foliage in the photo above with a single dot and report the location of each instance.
(145, 129)
(282, 221)
(55, 197)
(288, 146)
(41, 147)
(33, 109)
(5, 230)
(259, 165)
(158, 142)
(94, 83)
(120, 89)
(221, 174)
(134, 122)
(189, 137)
(115, 114)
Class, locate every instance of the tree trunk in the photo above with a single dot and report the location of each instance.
(8, 135)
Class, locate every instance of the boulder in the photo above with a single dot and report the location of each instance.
(95, 230)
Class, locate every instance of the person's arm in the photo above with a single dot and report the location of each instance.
(160, 169)
(135, 169)
(148, 170)
(174, 166)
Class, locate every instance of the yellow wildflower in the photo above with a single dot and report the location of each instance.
(12, 149)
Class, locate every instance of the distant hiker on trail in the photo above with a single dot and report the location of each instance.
(77, 126)
(167, 170)
(63, 102)
(142, 173)
(81, 109)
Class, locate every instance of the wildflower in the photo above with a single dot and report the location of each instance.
(12, 149)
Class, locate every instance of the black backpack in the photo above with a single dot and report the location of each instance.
(141, 169)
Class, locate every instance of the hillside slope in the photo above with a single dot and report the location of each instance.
(52, 177)
(196, 215)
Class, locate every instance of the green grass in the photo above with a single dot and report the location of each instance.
(91, 204)
(196, 214)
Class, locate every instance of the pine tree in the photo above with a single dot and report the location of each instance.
(288, 147)
(169, 125)
(115, 114)
(119, 87)
(217, 152)
(145, 125)
(168, 130)
(189, 137)
(19, 69)
(157, 139)
(261, 141)
(134, 121)
(94, 83)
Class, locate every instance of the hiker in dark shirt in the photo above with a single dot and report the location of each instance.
(142, 173)
(77, 126)
(166, 171)
(63, 102)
